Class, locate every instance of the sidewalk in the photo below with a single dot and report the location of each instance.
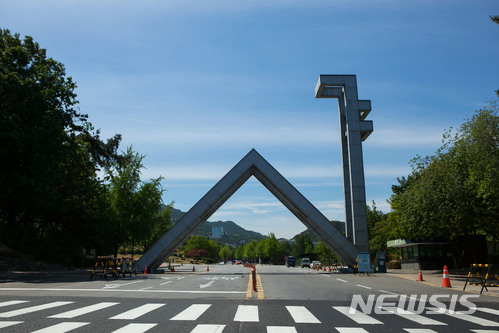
(435, 278)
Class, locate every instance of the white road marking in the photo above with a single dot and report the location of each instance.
(193, 312)
(485, 331)
(145, 288)
(117, 285)
(61, 327)
(208, 329)
(413, 316)
(130, 290)
(301, 314)
(466, 317)
(12, 303)
(137, 312)
(341, 280)
(488, 310)
(32, 309)
(4, 324)
(387, 292)
(206, 285)
(359, 285)
(165, 283)
(351, 330)
(247, 313)
(419, 330)
(281, 329)
(135, 328)
(358, 317)
(84, 310)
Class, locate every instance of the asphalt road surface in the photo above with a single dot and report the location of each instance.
(223, 300)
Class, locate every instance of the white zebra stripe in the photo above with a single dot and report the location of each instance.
(12, 303)
(193, 312)
(4, 324)
(135, 328)
(137, 312)
(301, 314)
(84, 310)
(247, 313)
(357, 316)
(281, 329)
(208, 329)
(61, 327)
(466, 317)
(413, 316)
(35, 308)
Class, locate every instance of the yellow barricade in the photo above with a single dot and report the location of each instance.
(483, 275)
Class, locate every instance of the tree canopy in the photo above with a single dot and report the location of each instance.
(454, 192)
(53, 204)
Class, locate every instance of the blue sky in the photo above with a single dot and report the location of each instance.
(194, 85)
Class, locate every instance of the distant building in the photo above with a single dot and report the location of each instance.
(217, 232)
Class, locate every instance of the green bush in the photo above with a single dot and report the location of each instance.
(394, 264)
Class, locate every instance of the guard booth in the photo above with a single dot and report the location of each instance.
(425, 253)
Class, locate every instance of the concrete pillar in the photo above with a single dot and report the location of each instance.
(354, 129)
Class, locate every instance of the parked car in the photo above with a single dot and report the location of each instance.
(290, 261)
(305, 262)
(315, 264)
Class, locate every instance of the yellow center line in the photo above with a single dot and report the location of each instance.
(259, 288)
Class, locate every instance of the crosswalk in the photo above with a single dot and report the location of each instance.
(484, 320)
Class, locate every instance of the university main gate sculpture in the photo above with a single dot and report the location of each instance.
(354, 130)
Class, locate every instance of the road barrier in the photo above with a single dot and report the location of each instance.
(482, 275)
(253, 275)
(114, 267)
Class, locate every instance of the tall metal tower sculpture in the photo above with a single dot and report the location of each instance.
(354, 129)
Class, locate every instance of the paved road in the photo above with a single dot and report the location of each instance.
(222, 300)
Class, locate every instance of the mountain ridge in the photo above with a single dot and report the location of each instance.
(234, 234)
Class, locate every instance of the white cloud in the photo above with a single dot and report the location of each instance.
(386, 170)
(405, 135)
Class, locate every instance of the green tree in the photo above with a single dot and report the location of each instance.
(37, 117)
(260, 249)
(162, 223)
(272, 248)
(455, 192)
(303, 245)
(202, 243)
(326, 256)
(381, 229)
(239, 252)
(250, 250)
(134, 204)
(225, 252)
(51, 202)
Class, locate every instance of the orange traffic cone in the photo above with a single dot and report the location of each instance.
(420, 277)
(146, 271)
(193, 269)
(207, 268)
(173, 269)
(446, 280)
(324, 268)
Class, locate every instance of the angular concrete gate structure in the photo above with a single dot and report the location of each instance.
(253, 164)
